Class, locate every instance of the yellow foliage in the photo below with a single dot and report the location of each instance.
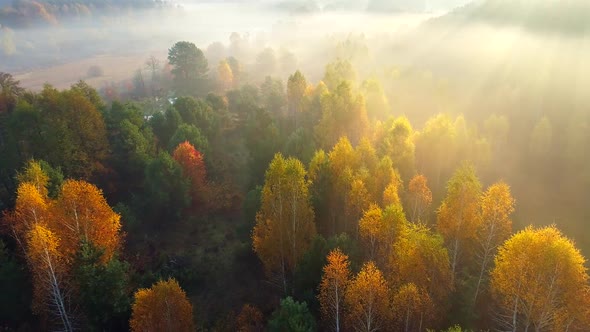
(163, 307)
(540, 279)
(367, 300)
(34, 174)
(391, 195)
(46, 263)
(31, 208)
(332, 289)
(372, 229)
(420, 196)
(81, 213)
(285, 223)
(419, 257)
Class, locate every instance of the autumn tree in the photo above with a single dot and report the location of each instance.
(193, 168)
(372, 229)
(225, 75)
(540, 282)
(332, 289)
(358, 200)
(420, 197)
(367, 300)
(458, 217)
(343, 162)
(163, 307)
(31, 208)
(48, 270)
(285, 223)
(391, 194)
(367, 162)
(394, 222)
(384, 176)
(81, 213)
(420, 258)
(496, 206)
(250, 319)
(411, 307)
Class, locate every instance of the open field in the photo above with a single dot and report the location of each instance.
(115, 68)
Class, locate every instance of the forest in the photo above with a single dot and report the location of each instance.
(234, 187)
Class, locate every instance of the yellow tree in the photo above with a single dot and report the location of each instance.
(285, 223)
(540, 282)
(164, 307)
(366, 298)
(496, 206)
(419, 257)
(420, 197)
(411, 306)
(391, 194)
(343, 163)
(366, 155)
(225, 74)
(34, 174)
(81, 213)
(372, 229)
(394, 224)
(383, 176)
(332, 289)
(31, 208)
(47, 268)
(458, 217)
(357, 201)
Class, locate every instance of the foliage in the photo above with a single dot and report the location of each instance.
(458, 217)
(291, 316)
(539, 279)
(367, 300)
(103, 289)
(163, 307)
(190, 66)
(284, 225)
(332, 289)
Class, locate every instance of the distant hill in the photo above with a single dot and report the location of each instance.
(554, 16)
(27, 13)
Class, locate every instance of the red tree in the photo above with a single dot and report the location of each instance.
(193, 167)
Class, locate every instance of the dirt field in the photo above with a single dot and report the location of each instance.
(114, 69)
